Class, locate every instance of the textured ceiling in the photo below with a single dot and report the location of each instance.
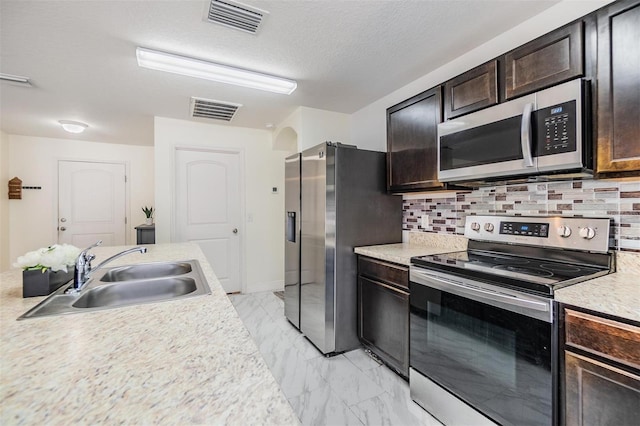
(80, 56)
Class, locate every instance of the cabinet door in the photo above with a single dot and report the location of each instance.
(412, 143)
(384, 322)
(471, 91)
(548, 60)
(599, 394)
(618, 92)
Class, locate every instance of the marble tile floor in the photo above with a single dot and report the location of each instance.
(348, 389)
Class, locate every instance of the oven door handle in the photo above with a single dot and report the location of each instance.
(509, 302)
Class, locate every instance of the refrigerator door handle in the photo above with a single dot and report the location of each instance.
(291, 227)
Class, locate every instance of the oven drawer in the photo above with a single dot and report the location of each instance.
(610, 339)
(382, 271)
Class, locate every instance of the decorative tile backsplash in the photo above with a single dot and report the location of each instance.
(446, 212)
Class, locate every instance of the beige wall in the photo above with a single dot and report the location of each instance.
(262, 225)
(314, 126)
(369, 123)
(33, 219)
(318, 126)
(4, 201)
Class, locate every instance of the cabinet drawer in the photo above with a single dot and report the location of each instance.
(383, 271)
(610, 339)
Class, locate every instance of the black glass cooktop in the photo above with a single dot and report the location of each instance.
(520, 272)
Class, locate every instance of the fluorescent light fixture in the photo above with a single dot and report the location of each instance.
(73, 126)
(15, 79)
(191, 67)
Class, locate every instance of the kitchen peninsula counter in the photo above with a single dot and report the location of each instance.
(188, 361)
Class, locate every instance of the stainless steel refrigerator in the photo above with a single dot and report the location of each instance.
(335, 200)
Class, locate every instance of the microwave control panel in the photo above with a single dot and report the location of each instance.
(556, 129)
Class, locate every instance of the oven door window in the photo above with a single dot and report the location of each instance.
(497, 361)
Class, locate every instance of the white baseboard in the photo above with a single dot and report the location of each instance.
(277, 285)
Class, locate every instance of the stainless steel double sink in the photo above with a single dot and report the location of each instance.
(125, 286)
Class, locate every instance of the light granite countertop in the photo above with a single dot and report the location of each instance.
(615, 294)
(187, 361)
(419, 244)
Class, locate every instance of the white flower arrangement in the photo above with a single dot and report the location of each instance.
(57, 257)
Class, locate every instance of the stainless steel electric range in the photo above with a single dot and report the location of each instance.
(484, 334)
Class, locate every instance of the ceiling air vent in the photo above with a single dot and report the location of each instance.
(216, 110)
(235, 15)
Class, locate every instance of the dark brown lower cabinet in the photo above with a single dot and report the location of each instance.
(601, 371)
(383, 313)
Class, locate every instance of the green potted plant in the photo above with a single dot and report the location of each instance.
(148, 212)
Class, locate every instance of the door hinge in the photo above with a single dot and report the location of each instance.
(125, 220)
(125, 178)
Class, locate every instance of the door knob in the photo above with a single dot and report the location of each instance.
(235, 230)
(62, 228)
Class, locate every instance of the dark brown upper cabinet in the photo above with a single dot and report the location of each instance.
(471, 91)
(412, 143)
(546, 61)
(618, 90)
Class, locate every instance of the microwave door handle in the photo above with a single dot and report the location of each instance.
(525, 135)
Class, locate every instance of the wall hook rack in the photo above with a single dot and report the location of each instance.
(15, 189)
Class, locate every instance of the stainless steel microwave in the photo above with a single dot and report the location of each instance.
(543, 133)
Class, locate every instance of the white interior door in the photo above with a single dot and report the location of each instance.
(207, 209)
(91, 203)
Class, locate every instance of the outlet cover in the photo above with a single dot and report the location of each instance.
(424, 222)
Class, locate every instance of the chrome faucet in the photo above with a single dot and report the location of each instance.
(84, 269)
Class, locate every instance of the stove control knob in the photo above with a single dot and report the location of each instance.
(475, 226)
(564, 231)
(488, 227)
(587, 233)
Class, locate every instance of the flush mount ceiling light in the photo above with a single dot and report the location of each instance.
(73, 126)
(191, 67)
